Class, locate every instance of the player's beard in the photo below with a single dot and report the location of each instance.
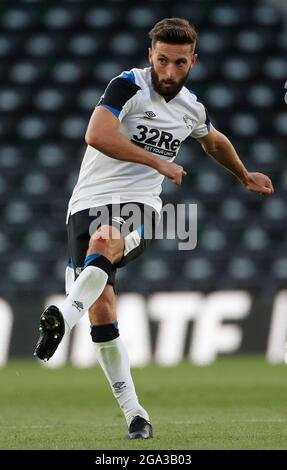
(170, 93)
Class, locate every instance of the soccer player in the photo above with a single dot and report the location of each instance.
(133, 137)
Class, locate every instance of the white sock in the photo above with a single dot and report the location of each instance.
(84, 292)
(114, 361)
(69, 279)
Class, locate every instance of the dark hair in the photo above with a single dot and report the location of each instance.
(173, 31)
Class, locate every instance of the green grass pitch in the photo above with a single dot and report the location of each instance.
(236, 403)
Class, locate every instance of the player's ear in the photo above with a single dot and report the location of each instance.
(194, 58)
(150, 55)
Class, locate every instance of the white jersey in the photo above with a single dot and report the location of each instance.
(147, 120)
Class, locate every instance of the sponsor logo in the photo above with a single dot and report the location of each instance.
(78, 305)
(149, 115)
(156, 141)
(119, 220)
(119, 386)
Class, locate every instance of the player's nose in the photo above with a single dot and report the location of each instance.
(170, 73)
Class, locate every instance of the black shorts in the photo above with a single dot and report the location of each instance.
(136, 221)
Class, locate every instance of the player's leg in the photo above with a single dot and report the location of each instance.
(106, 246)
(113, 358)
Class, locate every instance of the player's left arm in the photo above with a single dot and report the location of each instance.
(221, 149)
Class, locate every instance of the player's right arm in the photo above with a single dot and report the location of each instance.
(103, 135)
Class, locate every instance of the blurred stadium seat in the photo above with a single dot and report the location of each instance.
(56, 60)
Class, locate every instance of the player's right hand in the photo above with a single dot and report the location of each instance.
(172, 170)
(259, 183)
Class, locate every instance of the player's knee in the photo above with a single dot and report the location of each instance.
(107, 234)
(108, 241)
(100, 245)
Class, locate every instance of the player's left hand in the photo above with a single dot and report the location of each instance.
(259, 183)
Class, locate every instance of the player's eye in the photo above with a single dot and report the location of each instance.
(162, 60)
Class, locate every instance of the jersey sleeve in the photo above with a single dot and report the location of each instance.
(203, 125)
(119, 93)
